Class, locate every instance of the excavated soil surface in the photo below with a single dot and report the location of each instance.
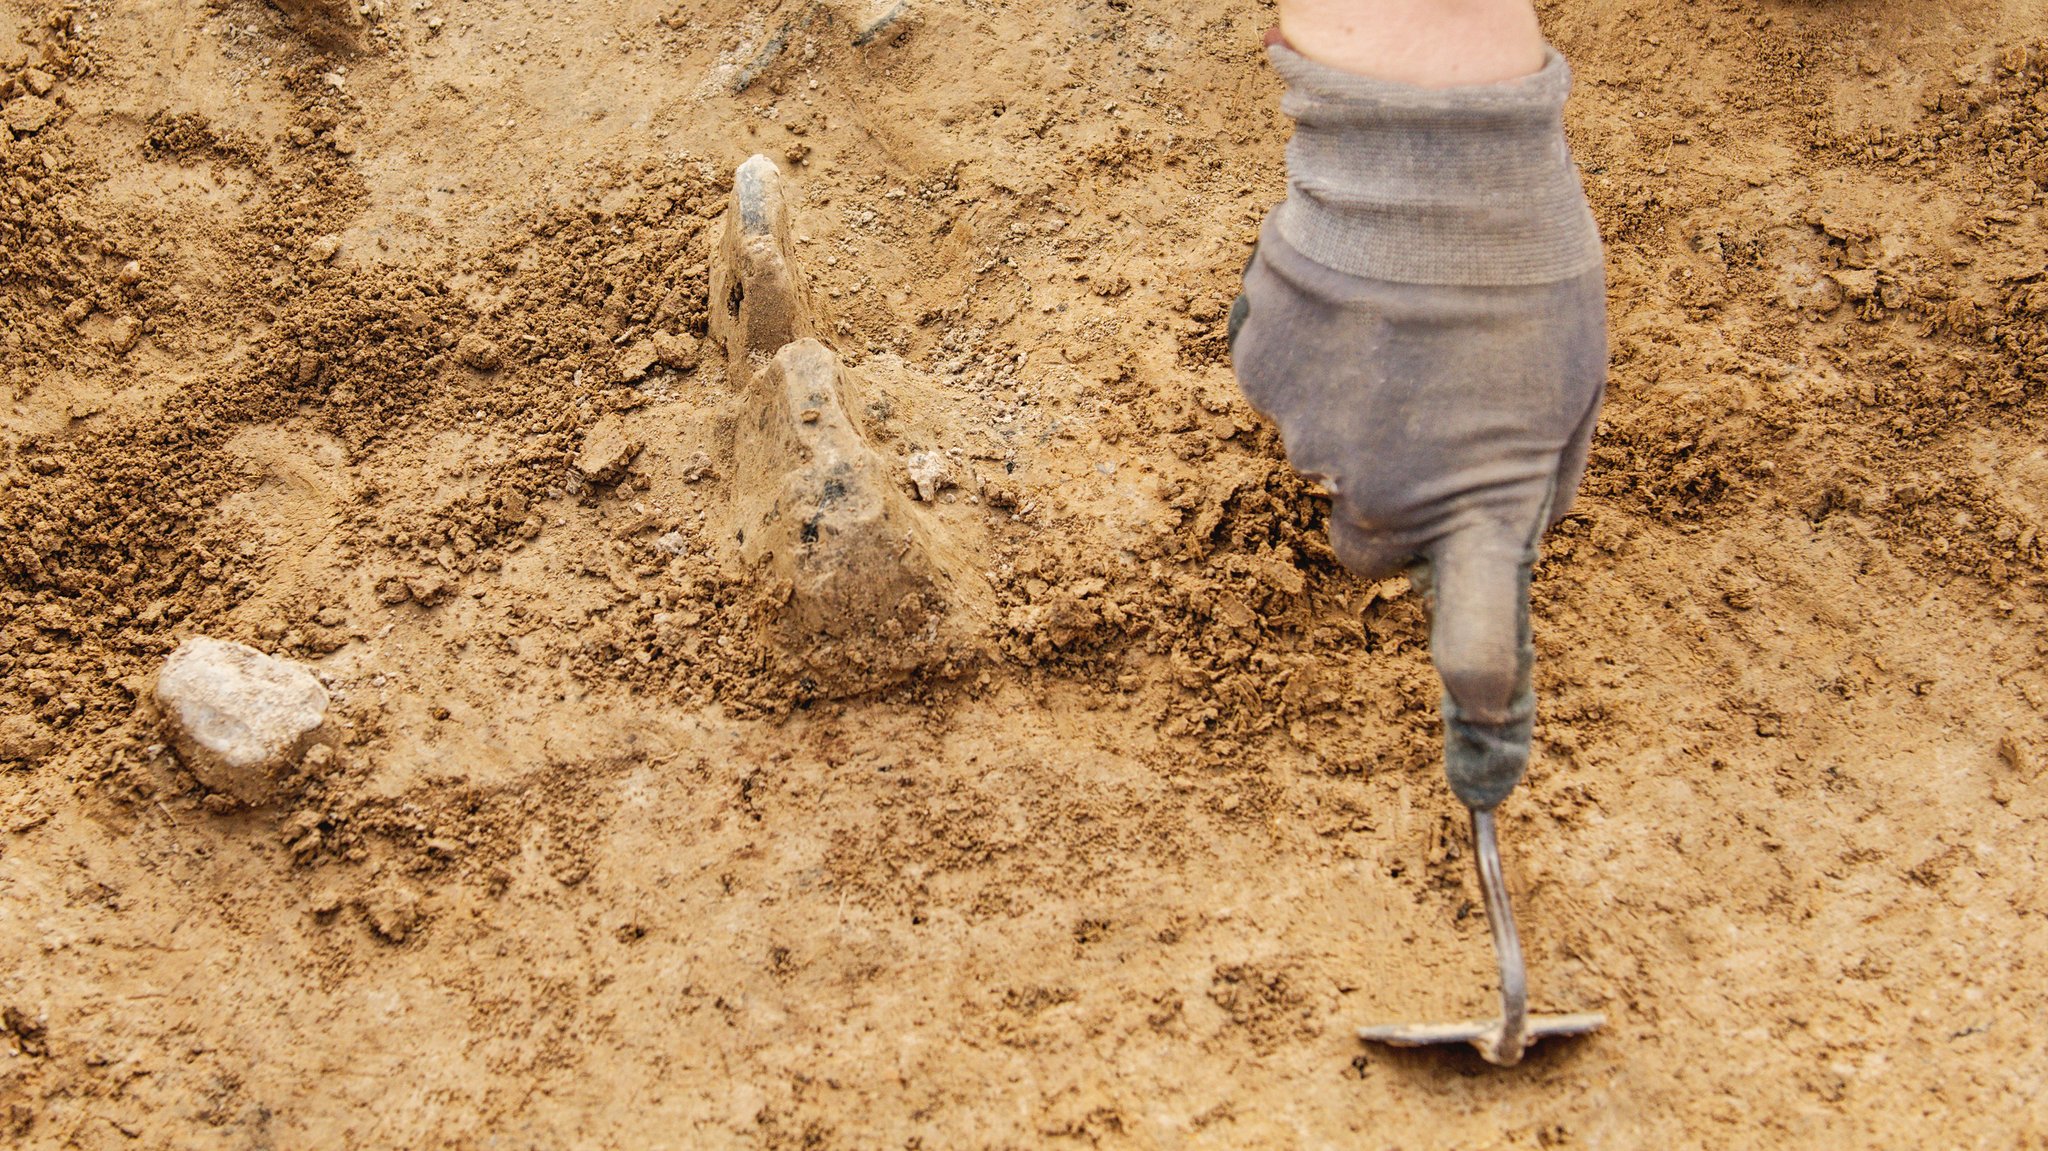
(377, 341)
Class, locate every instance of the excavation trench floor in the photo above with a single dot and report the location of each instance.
(394, 362)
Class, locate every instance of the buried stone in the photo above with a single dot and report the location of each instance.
(862, 600)
(865, 592)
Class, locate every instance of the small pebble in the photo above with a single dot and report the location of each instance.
(929, 474)
(124, 333)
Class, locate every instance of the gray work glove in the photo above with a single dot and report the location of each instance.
(1425, 319)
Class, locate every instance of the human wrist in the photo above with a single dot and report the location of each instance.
(1425, 43)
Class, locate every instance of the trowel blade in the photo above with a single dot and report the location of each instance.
(1477, 1032)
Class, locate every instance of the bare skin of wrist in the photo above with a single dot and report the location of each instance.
(1428, 43)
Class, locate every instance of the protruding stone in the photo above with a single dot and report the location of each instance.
(758, 302)
(633, 363)
(863, 599)
(429, 588)
(677, 351)
(238, 718)
(864, 594)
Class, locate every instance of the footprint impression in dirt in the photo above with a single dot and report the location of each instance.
(864, 590)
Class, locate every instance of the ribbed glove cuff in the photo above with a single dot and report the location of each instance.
(1466, 186)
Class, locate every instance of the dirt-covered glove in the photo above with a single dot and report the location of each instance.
(1425, 319)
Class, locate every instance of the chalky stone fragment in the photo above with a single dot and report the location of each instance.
(392, 911)
(929, 474)
(238, 717)
(123, 334)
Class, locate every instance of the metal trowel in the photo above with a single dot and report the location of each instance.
(1499, 1041)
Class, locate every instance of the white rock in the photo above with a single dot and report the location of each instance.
(929, 472)
(238, 717)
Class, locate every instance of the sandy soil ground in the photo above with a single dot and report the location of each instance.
(309, 318)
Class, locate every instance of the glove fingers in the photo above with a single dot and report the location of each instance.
(1476, 583)
(1571, 463)
(1366, 554)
